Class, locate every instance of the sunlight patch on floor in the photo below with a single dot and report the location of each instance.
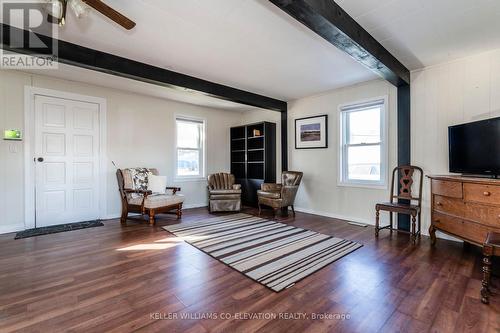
(147, 246)
(161, 244)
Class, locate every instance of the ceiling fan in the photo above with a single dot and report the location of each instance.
(57, 11)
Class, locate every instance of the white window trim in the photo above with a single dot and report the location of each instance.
(384, 159)
(202, 176)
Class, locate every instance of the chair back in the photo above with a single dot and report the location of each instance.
(406, 176)
(221, 181)
(290, 181)
(121, 184)
(125, 181)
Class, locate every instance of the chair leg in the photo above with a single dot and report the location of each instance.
(275, 211)
(419, 224)
(179, 211)
(260, 208)
(391, 220)
(377, 218)
(293, 211)
(123, 218)
(151, 217)
(413, 229)
(485, 290)
(432, 233)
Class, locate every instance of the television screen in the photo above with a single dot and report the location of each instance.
(475, 147)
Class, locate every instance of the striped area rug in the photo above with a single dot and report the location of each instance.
(274, 254)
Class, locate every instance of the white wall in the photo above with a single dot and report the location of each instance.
(464, 90)
(319, 192)
(140, 132)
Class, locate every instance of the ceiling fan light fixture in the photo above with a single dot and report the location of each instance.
(55, 9)
(79, 8)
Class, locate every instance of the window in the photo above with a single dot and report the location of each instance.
(363, 152)
(190, 148)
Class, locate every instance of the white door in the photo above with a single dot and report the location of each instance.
(66, 161)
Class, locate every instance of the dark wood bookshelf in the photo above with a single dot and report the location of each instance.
(253, 157)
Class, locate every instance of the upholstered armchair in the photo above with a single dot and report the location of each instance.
(223, 194)
(136, 198)
(282, 195)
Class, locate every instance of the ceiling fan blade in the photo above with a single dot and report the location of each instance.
(109, 12)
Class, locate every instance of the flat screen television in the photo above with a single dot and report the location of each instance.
(474, 148)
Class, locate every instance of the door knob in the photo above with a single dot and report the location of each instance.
(40, 159)
(486, 193)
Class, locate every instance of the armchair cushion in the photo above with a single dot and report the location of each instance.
(157, 201)
(137, 179)
(225, 197)
(157, 184)
(232, 191)
(269, 194)
(269, 187)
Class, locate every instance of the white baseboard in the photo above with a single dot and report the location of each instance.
(197, 205)
(5, 229)
(333, 215)
(355, 219)
(118, 215)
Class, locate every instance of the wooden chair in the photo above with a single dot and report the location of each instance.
(406, 179)
(491, 247)
(145, 202)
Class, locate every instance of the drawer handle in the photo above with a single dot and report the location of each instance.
(438, 204)
(486, 193)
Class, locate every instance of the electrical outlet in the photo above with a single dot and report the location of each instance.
(13, 148)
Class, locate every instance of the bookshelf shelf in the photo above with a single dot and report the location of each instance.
(253, 157)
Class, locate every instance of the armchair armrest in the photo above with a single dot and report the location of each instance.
(143, 192)
(270, 187)
(237, 187)
(173, 188)
(144, 195)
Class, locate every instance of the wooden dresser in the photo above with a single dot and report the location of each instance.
(464, 207)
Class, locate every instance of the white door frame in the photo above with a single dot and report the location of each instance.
(29, 144)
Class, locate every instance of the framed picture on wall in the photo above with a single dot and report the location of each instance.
(311, 132)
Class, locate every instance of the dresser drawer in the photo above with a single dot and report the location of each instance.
(489, 194)
(449, 205)
(475, 232)
(487, 215)
(447, 223)
(447, 188)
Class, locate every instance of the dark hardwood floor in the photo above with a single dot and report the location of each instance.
(124, 278)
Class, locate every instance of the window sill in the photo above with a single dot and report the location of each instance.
(189, 179)
(363, 185)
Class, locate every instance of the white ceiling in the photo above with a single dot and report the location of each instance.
(247, 44)
(422, 33)
(78, 74)
(254, 46)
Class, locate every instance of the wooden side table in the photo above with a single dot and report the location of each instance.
(491, 247)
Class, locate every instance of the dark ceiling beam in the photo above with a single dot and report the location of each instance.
(76, 55)
(331, 22)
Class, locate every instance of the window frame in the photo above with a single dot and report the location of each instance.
(202, 149)
(344, 109)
